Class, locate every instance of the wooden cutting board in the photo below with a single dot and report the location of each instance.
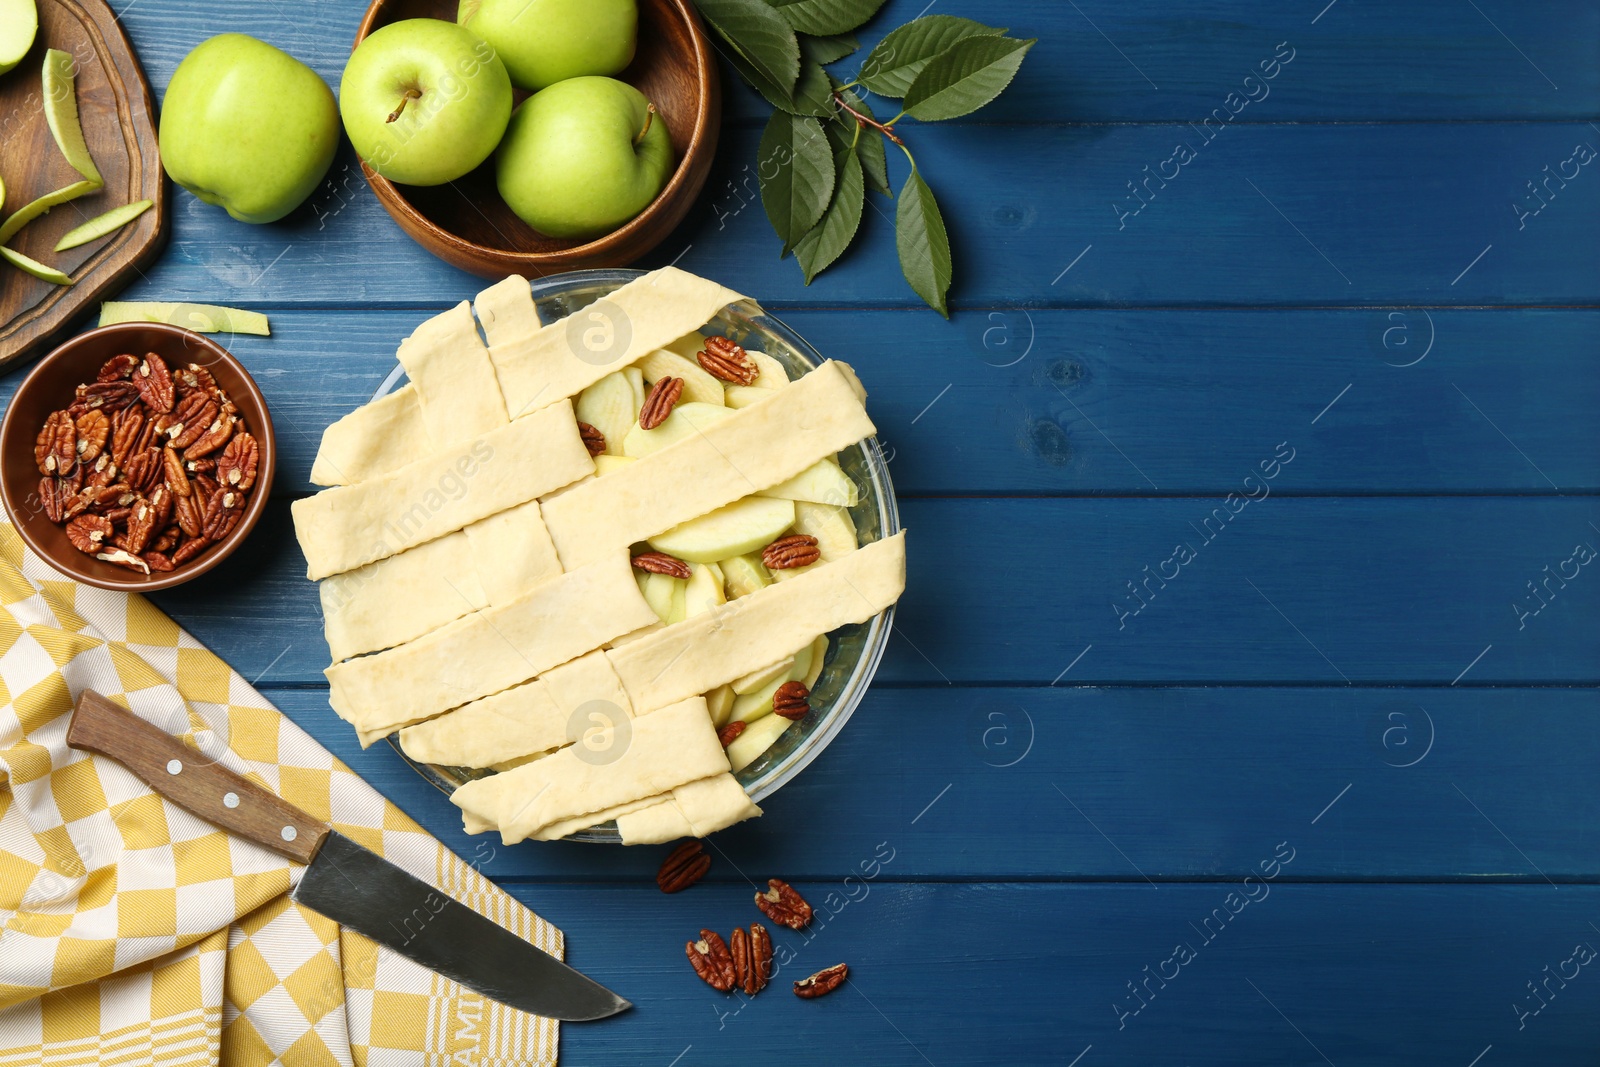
(119, 124)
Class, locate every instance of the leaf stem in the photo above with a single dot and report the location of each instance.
(862, 120)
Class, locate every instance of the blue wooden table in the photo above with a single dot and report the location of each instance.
(1241, 708)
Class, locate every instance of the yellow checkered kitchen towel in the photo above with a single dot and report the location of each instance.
(135, 933)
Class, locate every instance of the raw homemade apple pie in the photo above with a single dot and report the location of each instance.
(599, 556)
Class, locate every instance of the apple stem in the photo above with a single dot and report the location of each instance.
(887, 129)
(410, 94)
(649, 116)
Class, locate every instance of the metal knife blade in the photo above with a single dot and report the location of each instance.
(365, 892)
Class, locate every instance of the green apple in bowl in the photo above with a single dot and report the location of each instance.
(19, 23)
(546, 41)
(582, 157)
(424, 101)
(247, 127)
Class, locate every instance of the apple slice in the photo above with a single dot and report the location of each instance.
(831, 526)
(742, 526)
(664, 594)
(688, 346)
(756, 704)
(742, 396)
(744, 575)
(201, 318)
(32, 210)
(61, 112)
(759, 678)
(720, 702)
(604, 464)
(756, 739)
(819, 653)
(772, 376)
(101, 225)
(34, 267)
(703, 590)
(635, 382)
(608, 405)
(824, 482)
(684, 420)
(698, 386)
(19, 24)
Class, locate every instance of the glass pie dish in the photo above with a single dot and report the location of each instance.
(853, 651)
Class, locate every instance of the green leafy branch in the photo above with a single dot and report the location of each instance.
(824, 146)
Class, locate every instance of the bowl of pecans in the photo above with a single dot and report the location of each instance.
(136, 457)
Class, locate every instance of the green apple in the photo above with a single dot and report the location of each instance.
(582, 157)
(546, 41)
(745, 525)
(424, 101)
(247, 127)
(19, 22)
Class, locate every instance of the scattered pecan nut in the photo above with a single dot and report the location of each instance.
(118, 368)
(90, 533)
(787, 553)
(711, 960)
(593, 439)
(154, 383)
(823, 982)
(56, 448)
(792, 700)
(752, 958)
(730, 733)
(661, 563)
(783, 905)
(683, 867)
(659, 404)
(93, 429)
(723, 359)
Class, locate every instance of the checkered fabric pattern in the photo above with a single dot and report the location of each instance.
(132, 932)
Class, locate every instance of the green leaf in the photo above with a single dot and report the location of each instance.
(828, 239)
(970, 74)
(812, 94)
(825, 50)
(870, 144)
(891, 67)
(759, 35)
(824, 17)
(795, 169)
(923, 244)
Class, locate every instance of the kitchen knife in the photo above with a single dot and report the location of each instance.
(352, 886)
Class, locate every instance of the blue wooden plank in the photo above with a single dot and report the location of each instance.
(1292, 589)
(1039, 974)
(1102, 62)
(1340, 215)
(1079, 402)
(1126, 784)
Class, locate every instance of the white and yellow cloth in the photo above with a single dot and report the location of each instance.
(132, 932)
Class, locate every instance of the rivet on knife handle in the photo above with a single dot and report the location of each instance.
(191, 781)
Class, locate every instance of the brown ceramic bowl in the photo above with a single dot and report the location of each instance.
(467, 224)
(49, 387)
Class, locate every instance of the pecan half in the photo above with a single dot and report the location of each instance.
(53, 498)
(56, 448)
(159, 561)
(193, 415)
(223, 512)
(711, 960)
(683, 867)
(189, 550)
(236, 468)
(783, 905)
(792, 700)
(141, 527)
(89, 533)
(752, 958)
(661, 563)
(200, 466)
(161, 502)
(110, 396)
(823, 982)
(593, 439)
(103, 472)
(215, 436)
(122, 559)
(659, 404)
(728, 361)
(172, 471)
(194, 378)
(126, 428)
(168, 539)
(191, 516)
(787, 553)
(143, 471)
(118, 368)
(93, 429)
(154, 383)
(730, 733)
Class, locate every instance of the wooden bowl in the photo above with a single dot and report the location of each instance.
(50, 386)
(467, 224)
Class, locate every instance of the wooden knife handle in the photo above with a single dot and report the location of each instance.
(191, 781)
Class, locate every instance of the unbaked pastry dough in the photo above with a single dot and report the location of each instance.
(450, 370)
(348, 526)
(693, 810)
(373, 439)
(752, 449)
(489, 650)
(506, 311)
(733, 639)
(566, 357)
(665, 749)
